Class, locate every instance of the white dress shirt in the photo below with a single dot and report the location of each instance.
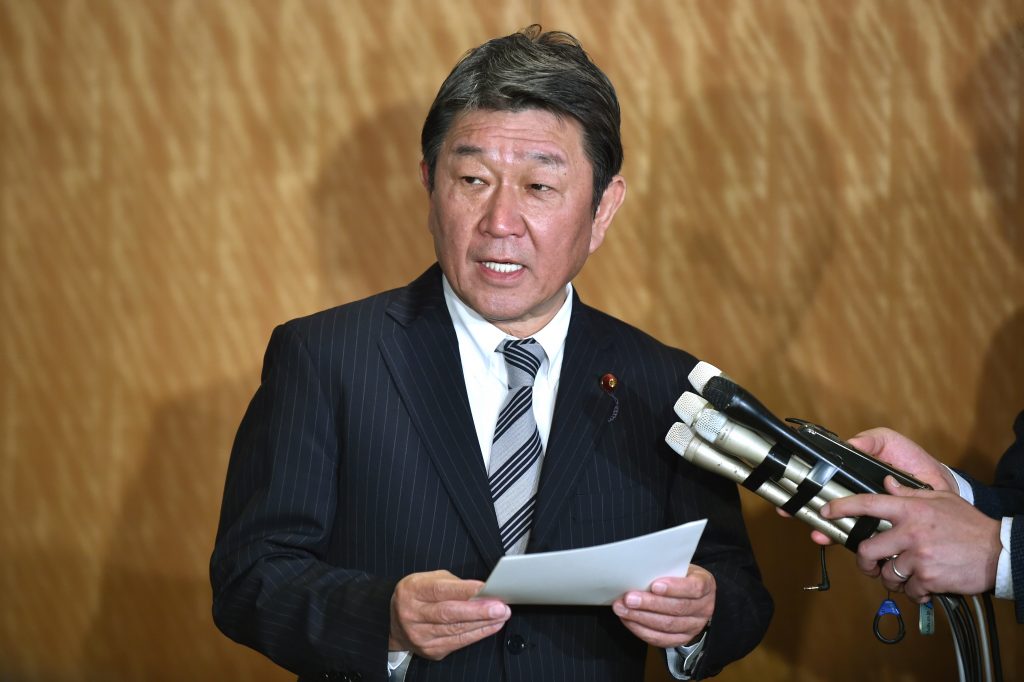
(487, 376)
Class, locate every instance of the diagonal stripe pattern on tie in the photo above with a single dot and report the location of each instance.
(516, 450)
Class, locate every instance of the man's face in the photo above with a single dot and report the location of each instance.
(511, 213)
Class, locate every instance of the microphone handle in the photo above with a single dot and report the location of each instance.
(747, 410)
(707, 457)
(750, 447)
(846, 523)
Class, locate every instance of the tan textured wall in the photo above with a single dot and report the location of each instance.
(824, 199)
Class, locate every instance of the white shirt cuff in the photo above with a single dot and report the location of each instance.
(682, 660)
(1004, 573)
(396, 665)
(965, 490)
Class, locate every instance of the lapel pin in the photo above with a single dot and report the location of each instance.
(608, 384)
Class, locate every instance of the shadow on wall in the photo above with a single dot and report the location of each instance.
(989, 101)
(371, 209)
(153, 621)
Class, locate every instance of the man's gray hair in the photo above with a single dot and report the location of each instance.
(532, 69)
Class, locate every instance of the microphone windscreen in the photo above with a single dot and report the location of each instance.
(688, 406)
(679, 437)
(719, 392)
(710, 424)
(700, 374)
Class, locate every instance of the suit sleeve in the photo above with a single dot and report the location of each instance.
(273, 589)
(1008, 488)
(1005, 497)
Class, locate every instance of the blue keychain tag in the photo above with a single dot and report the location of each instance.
(889, 608)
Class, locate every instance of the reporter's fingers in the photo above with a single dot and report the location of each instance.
(871, 441)
(879, 506)
(820, 538)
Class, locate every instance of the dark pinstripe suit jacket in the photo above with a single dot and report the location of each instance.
(1005, 497)
(357, 463)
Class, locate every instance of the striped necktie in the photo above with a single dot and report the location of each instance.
(516, 451)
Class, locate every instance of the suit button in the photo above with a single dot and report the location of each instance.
(515, 644)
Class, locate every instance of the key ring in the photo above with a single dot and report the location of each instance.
(889, 608)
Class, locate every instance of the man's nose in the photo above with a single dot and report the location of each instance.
(503, 217)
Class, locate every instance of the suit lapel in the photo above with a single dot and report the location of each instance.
(581, 413)
(423, 357)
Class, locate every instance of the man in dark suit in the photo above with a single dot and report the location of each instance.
(963, 537)
(360, 511)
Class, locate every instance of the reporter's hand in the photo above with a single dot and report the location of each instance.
(673, 612)
(431, 614)
(943, 543)
(904, 454)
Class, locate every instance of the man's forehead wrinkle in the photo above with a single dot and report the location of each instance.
(546, 158)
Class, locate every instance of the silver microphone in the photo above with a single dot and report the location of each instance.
(746, 444)
(752, 449)
(682, 439)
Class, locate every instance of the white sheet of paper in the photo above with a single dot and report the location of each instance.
(594, 575)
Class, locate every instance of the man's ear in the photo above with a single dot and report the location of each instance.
(425, 175)
(613, 196)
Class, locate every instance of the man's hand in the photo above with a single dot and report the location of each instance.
(673, 612)
(431, 614)
(942, 542)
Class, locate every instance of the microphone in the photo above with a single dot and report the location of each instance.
(682, 439)
(740, 405)
(748, 445)
(700, 374)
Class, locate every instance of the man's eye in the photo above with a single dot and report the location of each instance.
(470, 180)
(538, 187)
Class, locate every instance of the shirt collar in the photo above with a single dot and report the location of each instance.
(485, 337)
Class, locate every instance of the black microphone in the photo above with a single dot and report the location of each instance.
(740, 405)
